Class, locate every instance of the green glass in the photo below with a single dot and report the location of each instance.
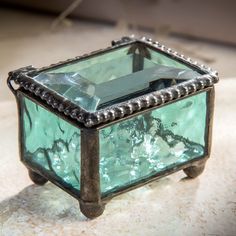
(50, 144)
(140, 147)
(108, 78)
(130, 151)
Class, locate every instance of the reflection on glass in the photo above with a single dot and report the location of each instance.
(115, 76)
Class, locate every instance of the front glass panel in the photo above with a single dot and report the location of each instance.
(140, 147)
(50, 144)
(114, 76)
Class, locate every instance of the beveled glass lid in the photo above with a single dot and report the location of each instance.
(114, 76)
(131, 76)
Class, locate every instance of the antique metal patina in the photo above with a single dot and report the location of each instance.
(115, 119)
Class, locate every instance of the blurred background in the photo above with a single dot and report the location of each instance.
(42, 32)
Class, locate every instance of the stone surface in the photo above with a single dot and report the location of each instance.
(140, 147)
(51, 144)
(107, 78)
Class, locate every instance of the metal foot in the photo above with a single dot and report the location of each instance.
(36, 178)
(91, 210)
(194, 171)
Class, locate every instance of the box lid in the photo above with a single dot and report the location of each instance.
(131, 75)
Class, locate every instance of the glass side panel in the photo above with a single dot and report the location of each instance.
(114, 76)
(158, 140)
(51, 144)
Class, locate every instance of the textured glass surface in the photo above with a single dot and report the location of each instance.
(51, 143)
(142, 146)
(115, 76)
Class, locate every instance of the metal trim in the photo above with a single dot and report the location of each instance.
(90, 178)
(209, 120)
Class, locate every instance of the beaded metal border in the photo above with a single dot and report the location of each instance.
(23, 78)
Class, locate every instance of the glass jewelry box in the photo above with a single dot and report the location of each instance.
(115, 119)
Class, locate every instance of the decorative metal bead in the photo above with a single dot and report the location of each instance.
(55, 104)
(129, 108)
(120, 111)
(32, 87)
(161, 99)
(37, 91)
(105, 116)
(74, 113)
(138, 105)
(112, 114)
(89, 123)
(178, 93)
(67, 111)
(61, 107)
(145, 102)
(50, 100)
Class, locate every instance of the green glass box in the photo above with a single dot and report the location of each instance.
(114, 119)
